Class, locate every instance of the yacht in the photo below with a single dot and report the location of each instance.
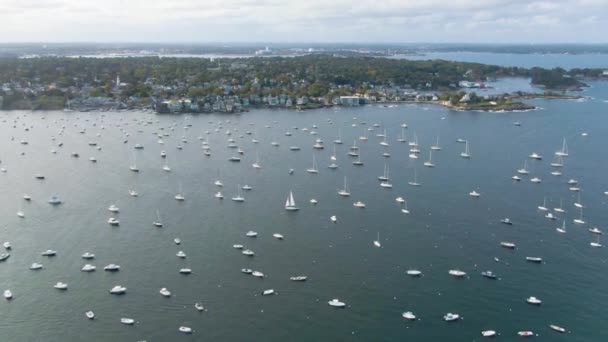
(36, 266)
(88, 256)
(112, 268)
(544, 206)
(535, 180)
(251, 233)
(158, 223)
(61, 286)
(450, 317)
(359, 204)
(7, 245)
(436, 147)
(49, 253)
(177, 241)
(536, 260)
(133, 193)
(535, 156)
(399, 200)
(313, 201)
(127, 321)
(118, 290)
(488, 333)
(27, 197)
(457, 273)
(88, 268)
(595, 230)
(408, 315)
(336, 303)
(185, 330)
(164, 292)
(414, 273)
(516, 178)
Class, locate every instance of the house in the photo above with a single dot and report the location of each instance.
(350, 100)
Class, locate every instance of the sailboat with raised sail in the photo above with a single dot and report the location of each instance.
(158, 223)
(179, 196)
(339, 138)
(133, 167)
(415, 181)
(429, 163)
(402, 138)
(386, 183)
(313, 169)
(377, 241)
(562, 229)
(564, 151)
(436, 147)
(218, 182)
(466, 154)
(384, 176)
(239, 196)
(333, 159)
(290, 204)
(256, 165)
(345, 191)
(384, 142)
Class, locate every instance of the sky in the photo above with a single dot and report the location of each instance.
(324, 21)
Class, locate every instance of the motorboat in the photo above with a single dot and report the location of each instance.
(488, 333)
(251, 233)
(113, 208)
(409, 316)
(248, 252)
(181, 254)
(557, 328)
(536, 260)
(525, 333)
(90, 314)
(61, 286)
(451, 317)
(359, 204)
(534, 301)
(112, 268)
(49, 253)
(474, 194)
(535, 156)
(506, 244)
(298, 278)
(36, 266)
(4, 256)
(8, 295)
(336, 303)
(185, 330)
(506, 221)
(185, 270)
(113, 221)
(199, 307)
(333, 219)
(457, 273)
(489, 275)
(268, 292)
(54, 200)
(127, 321)
(278, 236)
(257, 274)
(88, 268)
(414, 273)
(118, 290)
(88, 255)
(164, 292)
(247, 270)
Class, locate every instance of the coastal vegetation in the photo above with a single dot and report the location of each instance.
(54, 82)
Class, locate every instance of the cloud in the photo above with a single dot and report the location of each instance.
(304, 21)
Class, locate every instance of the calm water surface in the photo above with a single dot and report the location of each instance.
(446, 228)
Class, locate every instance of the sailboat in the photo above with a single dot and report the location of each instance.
(558, 161)
(166, 166)
(402, 137)
(579, 203)
(436, 147)
(218, 182)
(333, 158)
(290, 204)
(133, 166)
(386, 182)
(544, 206)
(562, 229)
(415, 181)
(429, 163)
(384, 142)
(466, 154)
(313, 169)
(344, 191)
(564, 151)
(384, 176)
(158, 223)
(579, 220)
(179, 196)
(377, 241)
(358, 162)
(414, 143)
(338, 139)
(596, 243)
(239, 196)
(353, 149)
(524, 170)
(404, 207)
(256, 165)
(364, 136)
(560, 209)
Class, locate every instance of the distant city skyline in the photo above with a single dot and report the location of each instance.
(391, 21)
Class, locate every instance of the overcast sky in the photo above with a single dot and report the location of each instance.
(498, 21)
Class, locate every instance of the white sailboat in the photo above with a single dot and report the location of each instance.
(133, 166)
(579, 220)
(466, 154)
(386, 183)
(524, 170)
(218, 182)
(290, 204)
(344, 191)
(402, 137)
(158, 223)
(358, 162)
(166, 167)
(179, 196)
(544, 206)
(333, 158)
(562, 229)
(414, 143)
(384, 142)
(404, 207)
(313, 169)
(564, 151)
(338, 138)
(429, 163)
(377, 241)
(239, 196)
(415, 181)
(256, 165)
(436, 147)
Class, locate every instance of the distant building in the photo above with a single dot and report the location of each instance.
(350, 100)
